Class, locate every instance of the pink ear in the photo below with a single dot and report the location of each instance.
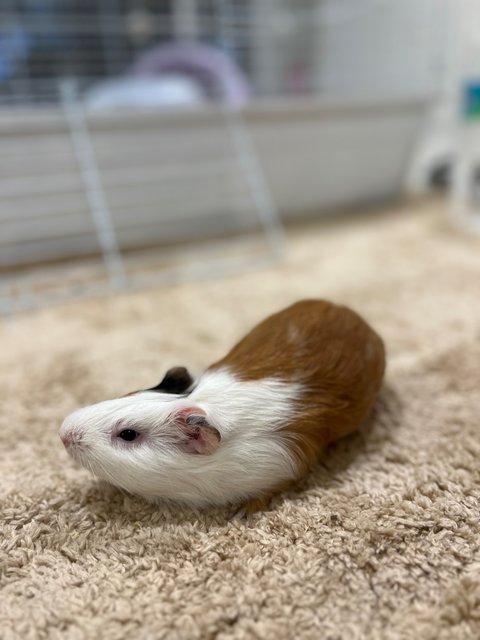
(199, 436)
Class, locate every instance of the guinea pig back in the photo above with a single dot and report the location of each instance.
(336, 357)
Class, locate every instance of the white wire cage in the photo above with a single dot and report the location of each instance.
(92, 200)
(102, 191)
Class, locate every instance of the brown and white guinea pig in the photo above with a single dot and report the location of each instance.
(247, 428)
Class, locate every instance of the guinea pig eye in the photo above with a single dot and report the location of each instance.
(128, 434)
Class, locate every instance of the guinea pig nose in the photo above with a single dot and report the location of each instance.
(69, 435)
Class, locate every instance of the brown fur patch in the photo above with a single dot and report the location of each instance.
(332, 352)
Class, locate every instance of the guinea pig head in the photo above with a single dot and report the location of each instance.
(140, 442)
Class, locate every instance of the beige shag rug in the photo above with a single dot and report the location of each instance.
(383, 539)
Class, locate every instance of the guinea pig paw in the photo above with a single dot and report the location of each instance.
(238, 515)
(250, 508)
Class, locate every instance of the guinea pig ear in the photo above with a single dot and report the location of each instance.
(200, 437)
(176, 380)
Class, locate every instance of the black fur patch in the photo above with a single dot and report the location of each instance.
(177, 380)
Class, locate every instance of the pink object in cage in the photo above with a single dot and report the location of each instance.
(217, 74)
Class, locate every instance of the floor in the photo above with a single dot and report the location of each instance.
(381, 541)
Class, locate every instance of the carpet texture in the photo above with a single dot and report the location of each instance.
(381, 541)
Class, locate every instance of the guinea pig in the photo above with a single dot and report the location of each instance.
(251, 425)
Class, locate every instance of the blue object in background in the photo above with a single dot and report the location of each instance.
(14, 46)
(471, 100)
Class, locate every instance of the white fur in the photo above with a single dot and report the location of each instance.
(252, 455)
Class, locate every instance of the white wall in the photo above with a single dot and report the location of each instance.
(380, 47)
